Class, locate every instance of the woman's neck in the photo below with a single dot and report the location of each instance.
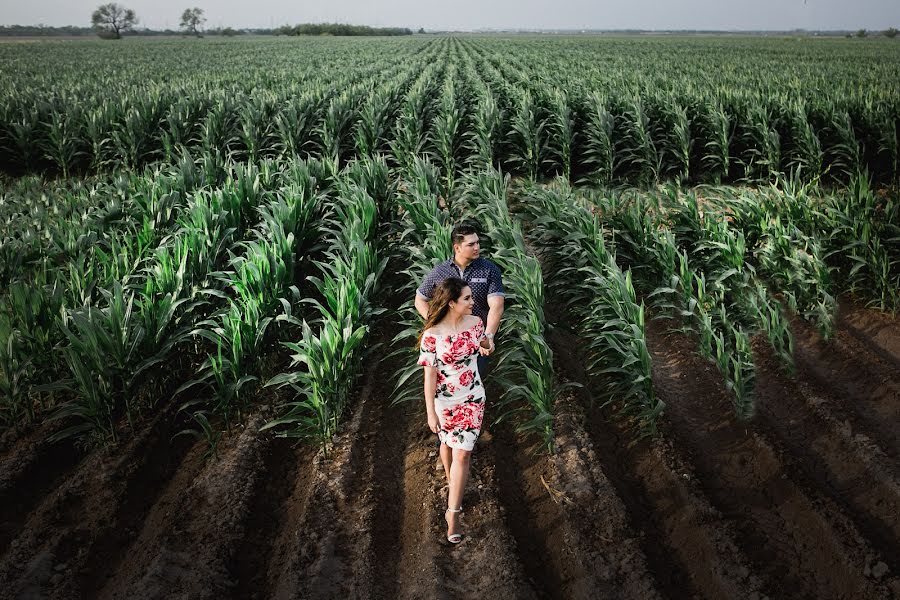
(454, 321)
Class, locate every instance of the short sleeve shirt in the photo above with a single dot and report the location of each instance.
(482, 275)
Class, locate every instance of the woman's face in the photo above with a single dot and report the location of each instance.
(463, 305)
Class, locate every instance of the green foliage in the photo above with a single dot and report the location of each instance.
(340, 29)
(111, 19)
(601, 298)
(524, 360)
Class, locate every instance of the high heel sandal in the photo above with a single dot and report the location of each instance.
(456, 537)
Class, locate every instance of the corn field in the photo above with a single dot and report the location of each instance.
(209, 251)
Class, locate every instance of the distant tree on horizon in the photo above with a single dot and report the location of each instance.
(191, 20)
(110, 20)
(862, 33)
(890, 32)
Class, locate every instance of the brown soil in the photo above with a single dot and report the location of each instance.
(793, 536)
(800, 502)
(860, 376)
(689, 546)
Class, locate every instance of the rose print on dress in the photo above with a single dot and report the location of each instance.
(459, 396)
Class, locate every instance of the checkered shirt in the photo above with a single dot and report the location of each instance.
(482, 275)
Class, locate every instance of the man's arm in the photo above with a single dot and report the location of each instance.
(495, 300)
(422, 305)
(495, 312)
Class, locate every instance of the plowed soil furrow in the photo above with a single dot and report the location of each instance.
(376, 489)
(419, 572)
(801, 541)
(690, 548)
(487, 563)
(867, 387)
(532, 516)
(877, 331)
(292, 513)
(320, 559)
(824, 453)
(282, 490)
(78, 524)
(32, 468)
(192, 531)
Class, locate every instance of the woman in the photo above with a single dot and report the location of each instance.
(454, 395)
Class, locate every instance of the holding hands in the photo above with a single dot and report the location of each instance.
(486, 345)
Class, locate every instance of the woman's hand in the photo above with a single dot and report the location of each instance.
(433, 423)
(486, 351)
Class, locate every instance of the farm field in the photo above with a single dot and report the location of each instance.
(208, 254)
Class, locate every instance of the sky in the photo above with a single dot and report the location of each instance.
(485, 14)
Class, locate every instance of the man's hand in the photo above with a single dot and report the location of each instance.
(487, 351)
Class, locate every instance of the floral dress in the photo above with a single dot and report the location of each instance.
(459, 398)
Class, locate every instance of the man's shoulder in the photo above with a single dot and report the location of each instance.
(483, 263)
(441, 267)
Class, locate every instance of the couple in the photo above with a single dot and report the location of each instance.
(461, 301)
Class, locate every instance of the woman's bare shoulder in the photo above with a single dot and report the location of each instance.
(473, 320)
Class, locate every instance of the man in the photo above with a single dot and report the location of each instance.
(483, 277)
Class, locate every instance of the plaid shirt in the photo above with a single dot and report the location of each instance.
(482, 275)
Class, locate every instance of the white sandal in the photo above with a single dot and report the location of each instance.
(456, 537)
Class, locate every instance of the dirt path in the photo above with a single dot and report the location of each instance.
(689, 546)
(795, 537)
(80, 523)
(29, 469)
(826, 455)
(879, 332)
(861, 377)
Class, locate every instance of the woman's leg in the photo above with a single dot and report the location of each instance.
(459, 475)
(446, 459)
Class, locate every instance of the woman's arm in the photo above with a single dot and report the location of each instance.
(430, 389)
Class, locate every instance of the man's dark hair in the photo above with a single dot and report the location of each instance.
(460, 231)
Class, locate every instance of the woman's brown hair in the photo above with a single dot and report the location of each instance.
(446, 292)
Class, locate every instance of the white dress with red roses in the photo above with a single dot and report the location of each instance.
(459, 398)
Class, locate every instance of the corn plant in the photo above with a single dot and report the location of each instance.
(446, 132)
(862, 236)
(423, 242)
(524, 359)
(635, 151)
(16, 369)
(326, 361)
(527, 137)
(485, 130)
(563, 132)
(257, 283)
(716, 133)
(602, 300)
(103, 358)
(599, 146)
(63, 143)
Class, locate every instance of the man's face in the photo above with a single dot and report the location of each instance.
(469, 248)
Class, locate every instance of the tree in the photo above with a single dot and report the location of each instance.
(862, 33)
(890, 32)
(191, 20)
(110, 20)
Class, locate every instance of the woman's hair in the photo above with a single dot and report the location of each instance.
(446, 292)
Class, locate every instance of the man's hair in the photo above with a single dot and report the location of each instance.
(460, 231)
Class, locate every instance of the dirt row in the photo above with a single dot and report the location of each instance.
(802, 501)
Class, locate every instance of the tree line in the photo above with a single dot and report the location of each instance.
(342, 29)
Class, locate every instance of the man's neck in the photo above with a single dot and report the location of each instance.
(461, 262)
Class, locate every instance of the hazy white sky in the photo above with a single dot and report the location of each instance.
(475, 14)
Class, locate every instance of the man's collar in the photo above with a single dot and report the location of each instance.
(452, 261)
